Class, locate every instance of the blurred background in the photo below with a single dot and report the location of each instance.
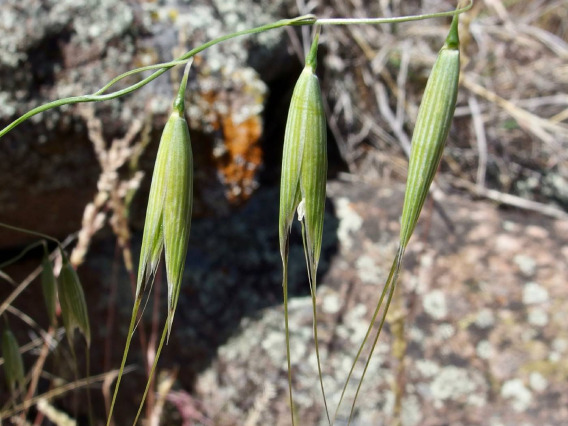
(477, 331)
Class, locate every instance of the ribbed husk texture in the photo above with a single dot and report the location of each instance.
(304, 165)
(431, 131)
(73, 303)
(168, 216)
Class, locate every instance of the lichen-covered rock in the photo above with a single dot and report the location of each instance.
(470, 337)
(54, 49)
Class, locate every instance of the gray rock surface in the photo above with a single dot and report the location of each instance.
(55, 49)
(475, 335)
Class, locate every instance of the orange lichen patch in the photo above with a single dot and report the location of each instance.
(242, 158)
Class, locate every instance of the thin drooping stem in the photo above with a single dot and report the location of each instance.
(287, 330)
(312, 275)
(22, 254)
(392, 286)
(88, 386)
(152, 370)
(98, 96)
(394, 20)
(125, 354)
(29, 232)
(164, 67)
(393, 275)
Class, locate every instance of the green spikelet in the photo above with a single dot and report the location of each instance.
(167, 225)
(72, 301)
(168, 216)
(431, 131)
(302, 187)
(13, 363)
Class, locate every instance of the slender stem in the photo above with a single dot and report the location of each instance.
(18, 290)
(21, 254)
(152, 370)
(312, 276)
(287, 332)
(398, 262)
(27, 231)
(351, 21)
(301, 20)
(96, 97)
(138, 70)
(392, 275)
(124, 356)
(88, 387)
(179, 102)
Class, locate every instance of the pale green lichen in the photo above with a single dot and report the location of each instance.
(537, 382)
(560, 345)
(411, 411)
(435, 305)
(349, 222)
(538, 317)
(453, 383)
(484, 349)
(368, 270)
(331, 303)
(427, 368)
(517, 393)
(444, 331)
(526, 264)
(534, 293)
(485, 318)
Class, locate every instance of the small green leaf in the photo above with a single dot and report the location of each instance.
(13, 363)
(49, 287)
(73, 304)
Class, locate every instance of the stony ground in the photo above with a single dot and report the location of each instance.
(476, 333)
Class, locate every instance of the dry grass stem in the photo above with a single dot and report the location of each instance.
(60, 390)
(113, 192)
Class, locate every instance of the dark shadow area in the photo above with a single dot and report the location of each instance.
(234, 271)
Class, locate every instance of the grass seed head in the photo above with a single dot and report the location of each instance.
(13, 363)
(304, 161)
(168, 215)
(431, 131)
(73, 304)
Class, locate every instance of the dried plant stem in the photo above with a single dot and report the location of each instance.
(61, 390)
(481, 139)
(374, 21)
(38, 368)
(543, 129)
(512, 200)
